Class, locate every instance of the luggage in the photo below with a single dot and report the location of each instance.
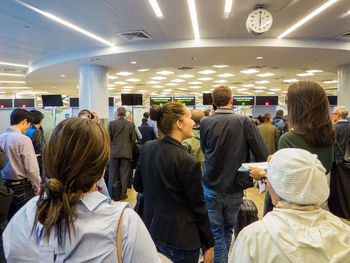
(247, 215)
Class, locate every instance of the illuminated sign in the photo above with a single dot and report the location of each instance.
(243, 100)
(187, 101)
(159, 100)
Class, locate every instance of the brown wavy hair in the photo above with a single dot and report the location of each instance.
(308, 113)
(167, 115)
(74, 159)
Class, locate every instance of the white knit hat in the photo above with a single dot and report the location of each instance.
(298, 176)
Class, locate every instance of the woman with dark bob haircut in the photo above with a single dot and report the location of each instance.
(70, 221)
(170, 180)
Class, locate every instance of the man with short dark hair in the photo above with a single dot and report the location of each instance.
(122, 134)
(21, 172)
(36, 135)
(226, 139)
(147, 132)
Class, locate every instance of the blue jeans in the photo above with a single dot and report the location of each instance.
(178, 255)
(223, 209)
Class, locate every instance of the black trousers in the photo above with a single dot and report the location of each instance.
(119, 169)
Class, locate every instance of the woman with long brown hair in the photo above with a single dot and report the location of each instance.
(70, 221)
(170, 180)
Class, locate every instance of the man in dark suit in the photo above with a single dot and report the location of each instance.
(342, 132)
(147, 131)
(122, 134)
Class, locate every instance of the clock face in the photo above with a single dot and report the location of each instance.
(259, 21)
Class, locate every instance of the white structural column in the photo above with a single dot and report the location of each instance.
(344, 86)
(93, 90)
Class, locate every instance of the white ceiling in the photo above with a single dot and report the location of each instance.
(51, 49)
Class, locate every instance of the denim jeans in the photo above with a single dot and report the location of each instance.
(223, 209)
(178, 255)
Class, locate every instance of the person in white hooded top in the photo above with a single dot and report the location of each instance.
(297, 230)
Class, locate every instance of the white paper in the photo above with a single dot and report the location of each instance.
(262, 187)
(262, 165)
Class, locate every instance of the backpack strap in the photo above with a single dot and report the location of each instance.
(119, 237)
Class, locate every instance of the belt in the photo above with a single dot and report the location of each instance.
(15, 182)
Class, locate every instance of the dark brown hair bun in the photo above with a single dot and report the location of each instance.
(155, 112)
(54, 186)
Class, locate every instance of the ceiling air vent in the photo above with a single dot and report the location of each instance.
(185, 68)
(135, 35)
(344, 36)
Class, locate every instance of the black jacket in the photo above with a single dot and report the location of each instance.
(123, 136)
(147, 132)
(342, 132)
(226, 139)
(3, 159)
(37, 137)
(174, 208)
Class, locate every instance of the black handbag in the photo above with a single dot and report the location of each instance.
(247, 214)
(6, 195)
(339, 197)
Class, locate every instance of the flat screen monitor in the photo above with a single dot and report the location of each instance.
(187, 101)
(207, 99)
(159, 100)
(6, 103)
(111, 101)
(243, 100)
(131, 99)
(52, 100)
(333, 100)
(74, 102)
(24, 103)
(266, 100)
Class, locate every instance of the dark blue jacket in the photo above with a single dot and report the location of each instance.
(226, 139)
(147, 133)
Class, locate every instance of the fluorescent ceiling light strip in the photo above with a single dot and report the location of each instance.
(13, 64)
(11, 81)
(156, 8)
(14, 87)
(228, 6)
(307, 18)
(193, 14)
(66, 23)
(10, 74)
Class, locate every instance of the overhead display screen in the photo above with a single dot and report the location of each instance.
(266, 100)
(74, 102)
(243, 100)
(111, 101)
(24, 103)
(5, 103)
(207, 99)
(131, 99)
(187, 101)
(333, 100)
(159, 100)
(52, 100)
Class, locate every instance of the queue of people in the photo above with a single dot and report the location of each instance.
(187, 175)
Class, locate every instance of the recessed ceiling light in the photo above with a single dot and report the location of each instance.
(242, 89)
(205, 79)
(142, 91)
(177, 80)
(225, 75)
(216, 85)
(167, 90)
(186, 76)
(154, 94)
(164, 72)
(123, 73)
(260, 87)
(143, 69)
(259, 91)
(248, 85)
(262, 82)
(195, 82)
(193, 14)
(314, 71)
(221, 66)
(307, 18)
(172, 84)
(62, 76)
(133, 80)
(228, 6)
(158, 78)
(158, 86)
(232, 87)
(112, 77)
(120, 82)
(271, 93)
(259, 57)
(66, 23)
(305, 74)
(330, 81)
(220, 81)
(265, 75)
(153, 82)
(207, 71)
(111, 88)
(14, 87)
(133, 62)
(290, 80)
(249, 71)
(284, 91)
(128, 87)
(275, 89)
(13, 75)
(182, 88)
(11, 81)
(13, 64)
(156, 8)
(111, 85)
(195, 87)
